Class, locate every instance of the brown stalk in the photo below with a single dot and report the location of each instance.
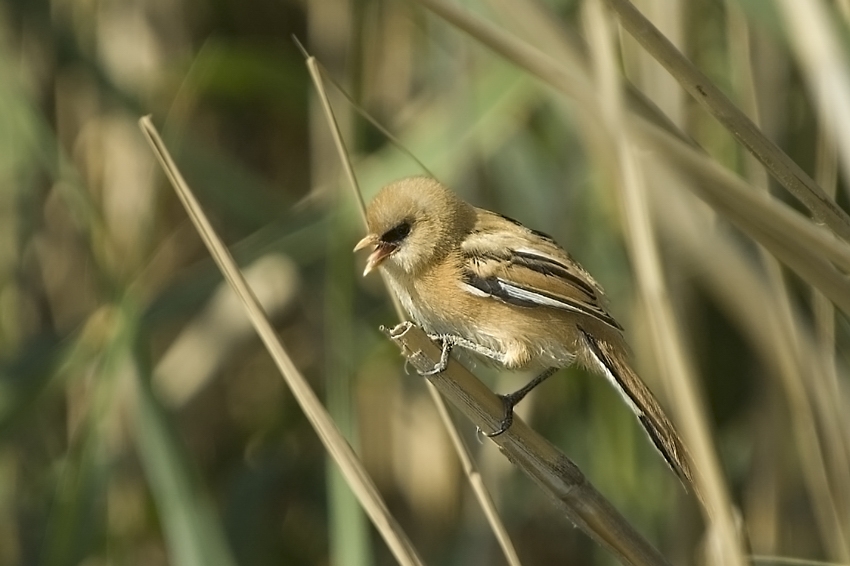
(335, 444)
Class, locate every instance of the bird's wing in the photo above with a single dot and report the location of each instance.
(507, 261)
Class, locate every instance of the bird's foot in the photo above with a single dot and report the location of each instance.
(512, 400)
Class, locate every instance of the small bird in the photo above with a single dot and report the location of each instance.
(481, 281)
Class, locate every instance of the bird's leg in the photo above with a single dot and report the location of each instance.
(512, 399)
(448, 342)
(479, 349)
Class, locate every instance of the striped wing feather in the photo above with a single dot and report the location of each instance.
(510, 262)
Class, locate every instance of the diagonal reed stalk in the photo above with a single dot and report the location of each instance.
(336, 445)
(559, 478)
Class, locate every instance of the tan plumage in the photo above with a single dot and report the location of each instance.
(512, 295)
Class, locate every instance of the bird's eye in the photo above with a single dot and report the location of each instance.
(396, 234)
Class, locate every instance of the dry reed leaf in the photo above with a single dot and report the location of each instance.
(782, 167)
(804, 247)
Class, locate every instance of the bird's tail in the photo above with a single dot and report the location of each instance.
(606, 358)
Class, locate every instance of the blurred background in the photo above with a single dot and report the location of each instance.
(141, 420)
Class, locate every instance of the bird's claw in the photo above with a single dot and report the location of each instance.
(507, 418)
(439, 367)
(398, 330)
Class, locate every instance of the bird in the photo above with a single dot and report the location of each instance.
(510, 295)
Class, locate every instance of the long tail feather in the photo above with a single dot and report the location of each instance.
(639, 398)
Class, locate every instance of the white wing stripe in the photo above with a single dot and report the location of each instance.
(474, 290)
(544, 256)
(531, 296)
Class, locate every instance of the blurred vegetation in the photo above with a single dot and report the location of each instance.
(141, 421)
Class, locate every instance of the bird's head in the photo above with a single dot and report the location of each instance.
(413, 223)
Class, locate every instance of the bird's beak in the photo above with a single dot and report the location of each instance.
(369, 240)
(377, 257)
